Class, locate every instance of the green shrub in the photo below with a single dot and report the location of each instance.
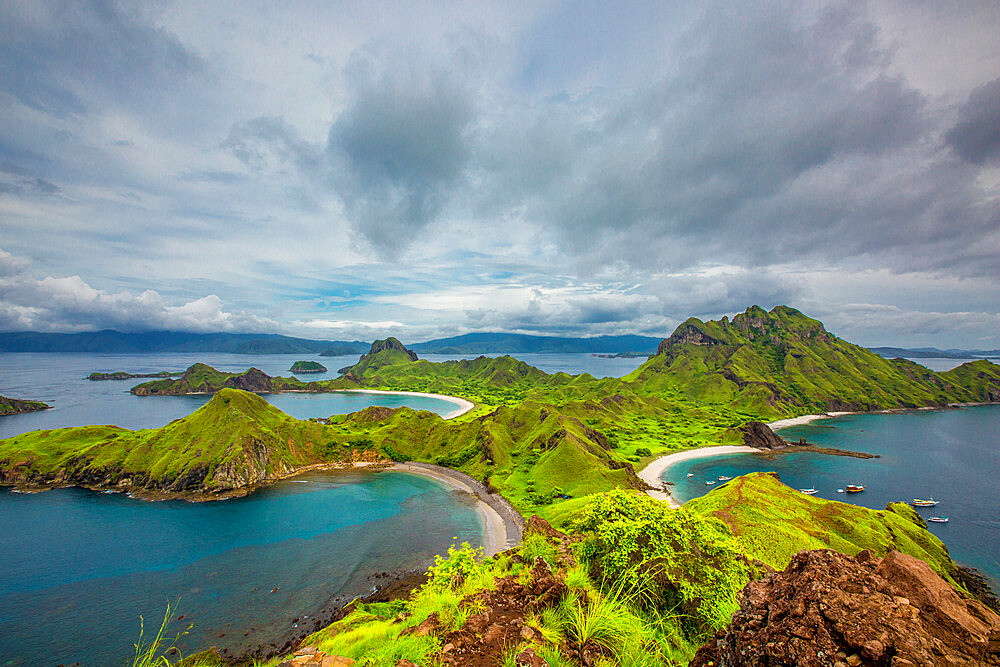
(643, 451)
(671, 561)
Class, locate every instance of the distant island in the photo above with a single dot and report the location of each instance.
(932, 353)
(125, 375)
(620, 355)
(15, 406)
(307, 367)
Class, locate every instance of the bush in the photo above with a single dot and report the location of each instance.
(643, 451)
(668, 559)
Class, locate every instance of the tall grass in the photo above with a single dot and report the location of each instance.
(151, 654)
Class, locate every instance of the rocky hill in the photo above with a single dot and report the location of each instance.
(829, 609)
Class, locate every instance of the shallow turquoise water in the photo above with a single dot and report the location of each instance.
(951, 455)
(77, 567)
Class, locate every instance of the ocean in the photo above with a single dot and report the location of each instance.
(951, 455)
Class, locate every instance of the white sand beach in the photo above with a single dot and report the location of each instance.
(800, 421)
(499, 533)
(463, 405)
(653, 473)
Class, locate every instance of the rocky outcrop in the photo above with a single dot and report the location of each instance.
(830, 610)
(760, 435)
(253, 379)
(686, 334)
(487, 636)
(125, 375)
(15, 406)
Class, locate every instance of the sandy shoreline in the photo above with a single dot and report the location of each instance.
(502, 525)
(653, 473)
(463, 405)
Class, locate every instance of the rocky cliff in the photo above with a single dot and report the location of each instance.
(830, 610)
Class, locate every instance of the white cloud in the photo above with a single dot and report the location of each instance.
(70, 304)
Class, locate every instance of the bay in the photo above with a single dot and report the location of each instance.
(951, 455)
(78, 568)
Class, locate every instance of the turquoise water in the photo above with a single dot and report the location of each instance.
(77, 567)
(950, 455)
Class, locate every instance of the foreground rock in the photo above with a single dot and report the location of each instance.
(831, 610)
(15, 406)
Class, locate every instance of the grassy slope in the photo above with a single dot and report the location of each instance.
(772, 522)
(779, 363)
(236, 438)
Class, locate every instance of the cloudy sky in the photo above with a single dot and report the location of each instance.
(348, 170)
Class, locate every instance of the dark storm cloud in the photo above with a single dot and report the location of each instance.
(976, 135)
(398, 148)
(710, 158)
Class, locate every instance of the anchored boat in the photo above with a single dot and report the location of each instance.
(938, 519)
(920, 502)
(810, 491)
(854, 488)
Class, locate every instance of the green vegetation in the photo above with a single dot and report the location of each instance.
(307, 367)
(772, 522)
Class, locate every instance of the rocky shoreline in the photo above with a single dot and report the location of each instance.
(17, 406)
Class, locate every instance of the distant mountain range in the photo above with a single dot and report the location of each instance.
(174, 341)
(932, 353)
(170, 341)
(473, 343)
(482, 343)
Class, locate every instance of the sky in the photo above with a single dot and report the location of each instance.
(347, 171)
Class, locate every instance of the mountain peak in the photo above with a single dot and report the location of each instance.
(390, 344)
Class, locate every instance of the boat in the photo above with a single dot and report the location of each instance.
(920, 502)
(709, 483)
(723, 478)
(855, 488)
(690, 474)
(810, 491)
(938, 519)
(840, 490)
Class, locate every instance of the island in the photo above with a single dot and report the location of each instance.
(307, 367)
(752, 563)
(125, 375)
(16, 406)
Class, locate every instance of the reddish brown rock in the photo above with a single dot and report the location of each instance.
(830, 610)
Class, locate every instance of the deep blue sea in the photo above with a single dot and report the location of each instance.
(78, 568)
(950, 455)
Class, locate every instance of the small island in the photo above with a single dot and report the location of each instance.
(307, 367)
(125, 375)
(14, 406)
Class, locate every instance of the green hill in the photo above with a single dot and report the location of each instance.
(233, 442)
(781, 363)
(772, 522)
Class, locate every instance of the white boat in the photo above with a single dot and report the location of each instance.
(690, 474)
(808, 492)
(709, 483)
(920, 502)
(840, 490)
(723, 478)
(938, 519)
